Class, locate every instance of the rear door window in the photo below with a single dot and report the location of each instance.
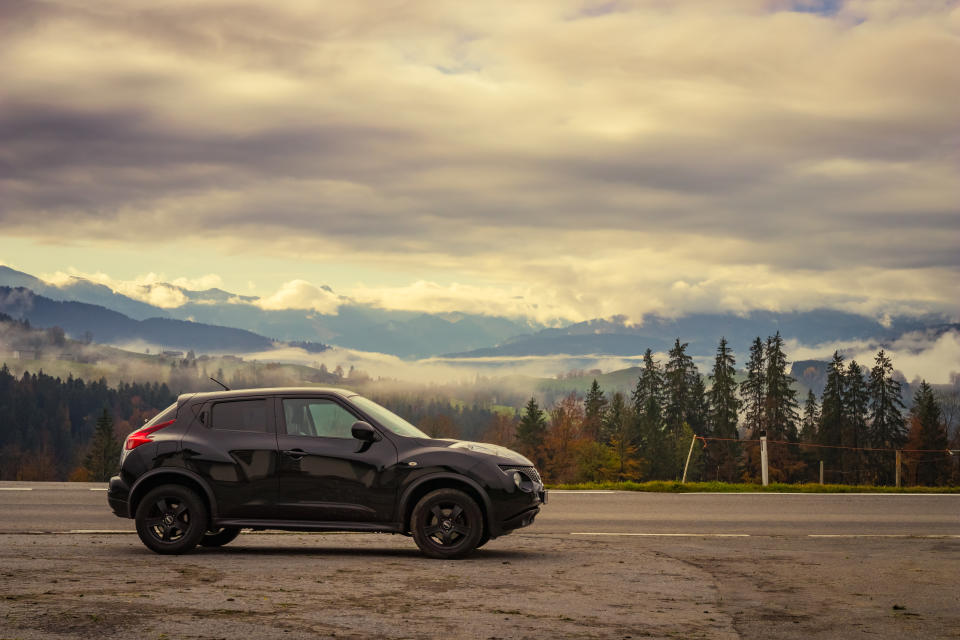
(240, 415)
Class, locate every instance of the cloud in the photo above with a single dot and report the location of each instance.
(562, 159)
(152, 288)
(934, 357)
(300, 294)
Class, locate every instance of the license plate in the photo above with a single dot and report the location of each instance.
(543, 496)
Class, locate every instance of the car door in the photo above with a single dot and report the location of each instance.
(326, 474)
(235, 450)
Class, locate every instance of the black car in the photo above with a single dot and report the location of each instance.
(308, 459)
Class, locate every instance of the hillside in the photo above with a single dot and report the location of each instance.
(87, 321)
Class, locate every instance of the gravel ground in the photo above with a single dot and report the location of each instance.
(520, 586)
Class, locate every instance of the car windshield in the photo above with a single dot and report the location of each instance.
(387, 418)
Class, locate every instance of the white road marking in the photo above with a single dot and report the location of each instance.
(99, 489)
(553, 491)
(96, 531)
(665, 535)
(16, 488)
(879, 535)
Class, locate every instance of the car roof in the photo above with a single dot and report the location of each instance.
(267, 391)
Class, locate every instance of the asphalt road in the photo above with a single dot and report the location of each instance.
(65, 506)
(594, 565)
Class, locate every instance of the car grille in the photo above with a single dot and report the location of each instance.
(530, 471)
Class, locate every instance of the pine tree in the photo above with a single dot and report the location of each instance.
(595, 407)
(832, 416)
(531, 432)
(698, 416)
(613, 420)
(754, 390)
(928, 435)
(780, 413)
(811, 418)
(855, 419)
(103, 458)
(780, 407)
(648, 411)
(887, 427)
(619, 435)
(679, 373)
(678, 381)
(724, 414)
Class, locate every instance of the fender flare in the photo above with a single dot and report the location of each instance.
(171, 471)
(487, 505)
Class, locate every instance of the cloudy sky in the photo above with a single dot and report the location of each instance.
(554, 159)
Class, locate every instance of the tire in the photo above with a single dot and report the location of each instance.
(171, 519)
(447, 524)
(219, 537)
(484, 539)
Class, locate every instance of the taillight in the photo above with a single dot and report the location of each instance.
(142, 436)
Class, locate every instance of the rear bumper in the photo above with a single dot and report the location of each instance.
(118, 497)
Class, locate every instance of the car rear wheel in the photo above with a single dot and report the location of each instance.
(219, 537)
(171, 519)
(447, 523)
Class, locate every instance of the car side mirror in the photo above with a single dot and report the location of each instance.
(364, 431)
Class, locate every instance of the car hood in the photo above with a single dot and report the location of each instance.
(505, 455)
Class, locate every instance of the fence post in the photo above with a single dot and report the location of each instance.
(693, 440)
(763, 458)
(898, 468)
(821, 472)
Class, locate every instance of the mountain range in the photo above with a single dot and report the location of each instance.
(218, 320)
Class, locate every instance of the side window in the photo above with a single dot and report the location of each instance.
(315, 417)
(240, 415)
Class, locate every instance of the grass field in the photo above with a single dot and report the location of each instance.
(726, 487)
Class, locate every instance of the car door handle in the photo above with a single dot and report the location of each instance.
(296, 454)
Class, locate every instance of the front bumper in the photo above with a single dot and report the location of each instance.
(524, 519)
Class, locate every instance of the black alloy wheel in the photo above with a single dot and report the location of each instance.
(171, 519)
(219, 537)
(447, 523)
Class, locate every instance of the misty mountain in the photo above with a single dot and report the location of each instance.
(703, 331)
(407, 334)
(82, 290)
(108, 326)
(414, 334)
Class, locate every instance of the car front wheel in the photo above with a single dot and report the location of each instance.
(171, 519)
(447, 524)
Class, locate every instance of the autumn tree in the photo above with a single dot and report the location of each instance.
(501, 430)
(563, 439)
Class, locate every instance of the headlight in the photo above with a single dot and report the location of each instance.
(519, 479)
